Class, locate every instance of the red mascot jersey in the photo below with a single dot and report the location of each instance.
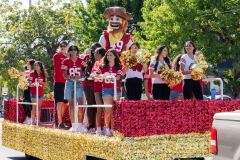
(120, 46)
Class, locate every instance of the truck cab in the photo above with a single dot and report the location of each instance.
(225, 136)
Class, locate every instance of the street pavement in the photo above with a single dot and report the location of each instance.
(7, 153)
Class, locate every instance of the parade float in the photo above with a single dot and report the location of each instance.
(142, 130)
(146, 129)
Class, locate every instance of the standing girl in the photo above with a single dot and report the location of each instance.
(134, 77)
(111, 66)
(160, 89)
(98, 55)
(190, 86)
(37, 76)
(26, 93)
(88, 87)
(72, 72)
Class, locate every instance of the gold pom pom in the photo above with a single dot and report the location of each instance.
(170, 76)
(23, 83)
(128, 59)
(199, 68)
(13, 73)
(143, 57)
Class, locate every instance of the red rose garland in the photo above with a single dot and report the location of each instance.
(145, 118)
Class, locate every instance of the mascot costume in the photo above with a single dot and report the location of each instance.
(115, 37)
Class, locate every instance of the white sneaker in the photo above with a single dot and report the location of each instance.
(25, 121)
(92, 130)
(74, 127)
(108, 132)
(29, 121)
(99, 131)
(81, 128)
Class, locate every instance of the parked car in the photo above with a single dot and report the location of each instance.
(225, 136)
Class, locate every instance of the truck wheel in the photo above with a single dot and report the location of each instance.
(200, 158)
(29, 157)
(92, 158)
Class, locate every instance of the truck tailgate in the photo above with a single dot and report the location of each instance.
(228, 135)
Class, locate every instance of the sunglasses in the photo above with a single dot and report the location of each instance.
(62, 46)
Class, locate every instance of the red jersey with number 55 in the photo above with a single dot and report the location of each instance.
(109, 83)
(72, 68)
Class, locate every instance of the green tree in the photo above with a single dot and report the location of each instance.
(212, 24)
(32, 33)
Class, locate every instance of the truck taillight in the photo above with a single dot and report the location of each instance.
(214, 147)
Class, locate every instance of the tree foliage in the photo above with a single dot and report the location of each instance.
(32, 33)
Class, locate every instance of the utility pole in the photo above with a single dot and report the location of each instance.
(30, 3)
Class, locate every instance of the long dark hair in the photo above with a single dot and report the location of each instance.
(158, 52)
(135, 43)
(31, 63)
(93, 49)
(116, 61)
(101, 51)
(90, 62)
(194, 46)
(175, 62)
(41, 69)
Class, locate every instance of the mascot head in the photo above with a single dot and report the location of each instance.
(118, 19)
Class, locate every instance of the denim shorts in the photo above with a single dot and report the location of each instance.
(174, 94)
(34, 97)
(69, 90)
(109, 92)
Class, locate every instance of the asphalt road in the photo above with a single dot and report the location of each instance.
(6, 153)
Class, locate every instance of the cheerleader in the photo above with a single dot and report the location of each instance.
(134, 77)
(72, 72)
(37, 76)
(190, 86)
(160, 89)
(110, 66)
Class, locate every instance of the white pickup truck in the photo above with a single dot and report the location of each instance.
(225, 136)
